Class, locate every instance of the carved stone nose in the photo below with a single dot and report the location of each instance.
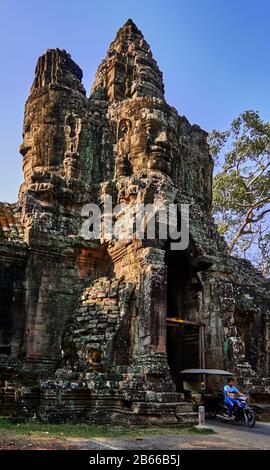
(162, 137)
(162, 140)
(24, 149)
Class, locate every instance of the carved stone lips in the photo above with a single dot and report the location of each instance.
(162, 152)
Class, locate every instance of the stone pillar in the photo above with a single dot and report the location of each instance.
(152, 314)
(218, 316)
(150, 360)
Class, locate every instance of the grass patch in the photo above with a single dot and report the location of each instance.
(87, 431)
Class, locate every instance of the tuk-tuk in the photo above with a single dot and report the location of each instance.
(195, 386)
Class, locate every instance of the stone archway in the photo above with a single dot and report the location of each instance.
(185, 331)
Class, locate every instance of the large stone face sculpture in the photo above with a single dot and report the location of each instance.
(98, 329)
(147, 137)
(49, 122)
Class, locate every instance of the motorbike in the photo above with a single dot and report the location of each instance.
(242, 413)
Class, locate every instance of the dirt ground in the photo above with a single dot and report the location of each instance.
(226, 437)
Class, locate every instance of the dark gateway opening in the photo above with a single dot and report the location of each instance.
(185, 334)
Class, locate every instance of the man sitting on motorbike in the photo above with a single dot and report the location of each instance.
(230, 394)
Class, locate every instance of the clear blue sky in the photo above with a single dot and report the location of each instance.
(215, 56)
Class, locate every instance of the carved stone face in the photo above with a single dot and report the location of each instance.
(43, 144)
(147, 139)
(49, 145)
(26, 150)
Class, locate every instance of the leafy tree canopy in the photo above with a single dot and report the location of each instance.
(241, 190)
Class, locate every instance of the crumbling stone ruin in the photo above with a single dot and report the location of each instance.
(98, 329)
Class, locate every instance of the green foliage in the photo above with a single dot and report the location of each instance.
(241, 189)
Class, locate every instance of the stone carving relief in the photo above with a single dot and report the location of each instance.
(72, 134)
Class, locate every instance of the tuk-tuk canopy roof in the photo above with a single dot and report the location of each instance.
(205, 371)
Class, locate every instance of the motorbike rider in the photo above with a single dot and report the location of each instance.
(230, 393)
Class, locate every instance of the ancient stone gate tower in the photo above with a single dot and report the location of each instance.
(98, 329)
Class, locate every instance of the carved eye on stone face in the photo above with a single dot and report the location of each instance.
(153, 130)
(154, 127)
(123, 128)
